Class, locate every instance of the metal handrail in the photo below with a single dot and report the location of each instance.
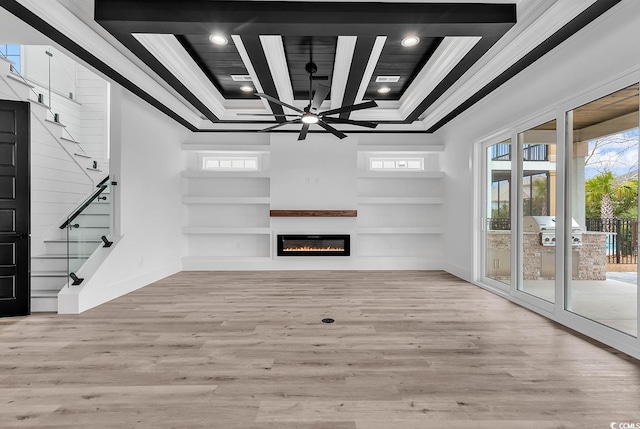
(101, 187)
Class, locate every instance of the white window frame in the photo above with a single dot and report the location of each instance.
(391, 163)
(228, 158)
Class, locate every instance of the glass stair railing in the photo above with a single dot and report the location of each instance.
(88, 228)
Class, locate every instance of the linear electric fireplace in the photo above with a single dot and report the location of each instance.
(314, 245)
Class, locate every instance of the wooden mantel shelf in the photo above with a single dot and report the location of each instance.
(313, 213)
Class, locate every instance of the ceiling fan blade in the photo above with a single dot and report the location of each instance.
(351, 108)
(321, 93)
(303, 132)
(275, 100)
(351, 122)
(319, 77)
(264, 114)
(278, 125)
(332, 130)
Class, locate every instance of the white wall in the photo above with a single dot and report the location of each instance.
(318, 172)
(147, 162)
(594, 56)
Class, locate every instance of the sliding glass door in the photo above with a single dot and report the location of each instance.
(602, 139)
(537, 209)
(497, 215)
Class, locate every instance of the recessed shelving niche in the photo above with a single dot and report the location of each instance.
(400, 212)
(227, 212)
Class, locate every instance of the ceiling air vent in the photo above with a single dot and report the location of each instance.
(241, 78)
(387, 79)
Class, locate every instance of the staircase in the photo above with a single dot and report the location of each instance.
(69, 251)
(49, 268)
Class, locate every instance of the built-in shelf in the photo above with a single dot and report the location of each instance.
(400, 230)
(225, 200)
(401, 175)
(205, 147)
(226, 258)
(313, 213)
(400, 200)
(221, 230)
(224, 174)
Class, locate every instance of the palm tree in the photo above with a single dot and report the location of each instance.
(601, 190)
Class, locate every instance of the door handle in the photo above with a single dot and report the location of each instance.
(17, 235)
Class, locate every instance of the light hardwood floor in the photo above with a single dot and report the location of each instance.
(232, 350)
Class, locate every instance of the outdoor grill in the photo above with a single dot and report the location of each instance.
(546, 226)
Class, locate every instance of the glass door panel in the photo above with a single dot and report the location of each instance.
(603, 137)
(497, 239)
(537, 150)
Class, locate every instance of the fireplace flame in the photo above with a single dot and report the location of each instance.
(313, 249)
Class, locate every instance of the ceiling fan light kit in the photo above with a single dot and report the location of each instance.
(311, 115)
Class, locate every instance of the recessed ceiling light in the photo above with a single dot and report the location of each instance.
(217, 39)
(410, 41)
(246, 88)
(384, 90)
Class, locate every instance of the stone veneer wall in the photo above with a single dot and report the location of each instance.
(592, 254)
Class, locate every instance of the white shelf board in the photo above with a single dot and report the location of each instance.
(401, 148)
(232, 148)
(400, 200)
(231, 230)
(191, 174)
(225, 200)
(400, 230)
(400, 175)
(226, 258)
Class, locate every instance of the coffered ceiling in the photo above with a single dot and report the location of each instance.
(465, 51)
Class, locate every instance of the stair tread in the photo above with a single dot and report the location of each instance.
(55, 123)
(18, 79)
(63, 240)
(60, 256)
(69, 140)
(37, 103)
(45, 293)
(48, 274)
(83, 155)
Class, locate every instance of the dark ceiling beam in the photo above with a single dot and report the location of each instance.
(303, 18)
(361, 55)
(254, 49)
(48, 30)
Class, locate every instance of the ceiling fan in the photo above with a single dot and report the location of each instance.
(310, 114)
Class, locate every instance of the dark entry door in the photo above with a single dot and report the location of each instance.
(15, 139)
